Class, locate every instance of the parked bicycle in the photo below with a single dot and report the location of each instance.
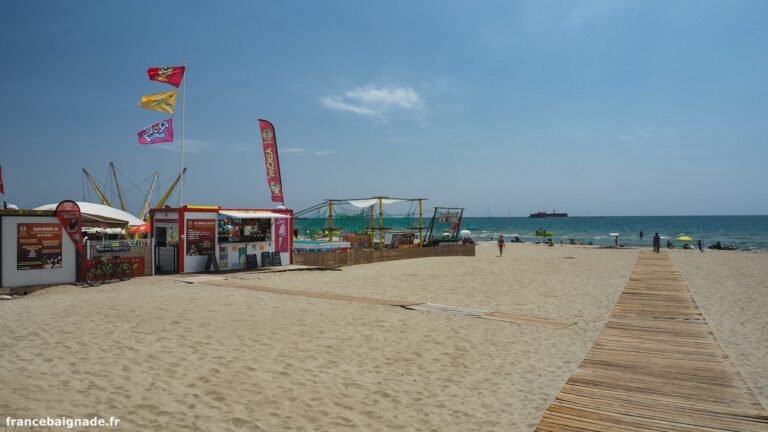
(103, 270)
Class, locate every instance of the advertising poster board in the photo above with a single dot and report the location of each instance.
(223, 257)
(201, 236)
(282, 234)
(38, 246)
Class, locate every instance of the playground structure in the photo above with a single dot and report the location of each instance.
(359, 222)
(446, 220)
(113, 182)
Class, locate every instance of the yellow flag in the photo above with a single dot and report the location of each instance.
(163, 102)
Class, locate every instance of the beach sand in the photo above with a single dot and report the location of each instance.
(731, 289)
(161, 354)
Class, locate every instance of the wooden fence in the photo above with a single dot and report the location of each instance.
(354, 257)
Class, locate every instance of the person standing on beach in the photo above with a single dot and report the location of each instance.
(656, 243)
(700, 248)
(501, 244)
(641, 235)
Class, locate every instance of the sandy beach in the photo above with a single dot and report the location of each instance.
(162, 354)
(731, 289)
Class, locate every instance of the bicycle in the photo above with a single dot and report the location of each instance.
(103, 270)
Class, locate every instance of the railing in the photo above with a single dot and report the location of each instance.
(354, 257)
(121, 248)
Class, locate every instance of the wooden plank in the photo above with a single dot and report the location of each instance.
(655, 367)
(526, 319)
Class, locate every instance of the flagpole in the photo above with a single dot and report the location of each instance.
(2, 189)
(183, 112)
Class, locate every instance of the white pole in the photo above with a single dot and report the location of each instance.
(183, 111)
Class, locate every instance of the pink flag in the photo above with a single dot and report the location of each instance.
(270, 158)
(160, 132)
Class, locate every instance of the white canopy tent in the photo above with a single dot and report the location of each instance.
(254, 214)
(101, 215)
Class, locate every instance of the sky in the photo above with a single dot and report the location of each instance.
(500, 107)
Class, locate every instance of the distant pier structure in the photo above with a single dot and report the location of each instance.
(542, 215)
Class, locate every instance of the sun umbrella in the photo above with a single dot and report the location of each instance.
(140, 229)
(684, 238)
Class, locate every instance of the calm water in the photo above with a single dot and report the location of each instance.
(748, 232)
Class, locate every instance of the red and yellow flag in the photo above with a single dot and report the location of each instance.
(170, 74)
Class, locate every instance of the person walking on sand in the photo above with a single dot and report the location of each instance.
(641, 235)
(501, 244)
(656, 243)
(700, 248)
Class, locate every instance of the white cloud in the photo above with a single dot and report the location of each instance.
(375, 101)
(324, 153)
(386, 96)
(335, 102)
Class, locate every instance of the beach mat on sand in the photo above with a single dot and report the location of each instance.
(488, 314)
(426, 307)
(198, 279)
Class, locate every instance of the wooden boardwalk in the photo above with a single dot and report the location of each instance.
(655, 367)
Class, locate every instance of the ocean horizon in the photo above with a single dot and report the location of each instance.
(748, 232)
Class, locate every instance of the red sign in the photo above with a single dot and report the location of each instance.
(201, 236)
(2, 188)
(38, 246)
(68, 213)
(270, 158)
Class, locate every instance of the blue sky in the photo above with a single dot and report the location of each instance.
(589, 107)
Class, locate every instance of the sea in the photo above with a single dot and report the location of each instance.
(746, 232)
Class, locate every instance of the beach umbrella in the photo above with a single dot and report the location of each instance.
(543, 233)
(684, 238)
(140, 229)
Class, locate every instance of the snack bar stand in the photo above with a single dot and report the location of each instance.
(189, 238)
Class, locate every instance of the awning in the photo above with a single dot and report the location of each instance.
(364, 203)
(254, 214)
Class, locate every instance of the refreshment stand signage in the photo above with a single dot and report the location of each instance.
(201, 236)
(38, 246)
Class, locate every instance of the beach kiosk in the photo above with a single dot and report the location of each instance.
(190, 238)
(39, 247)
